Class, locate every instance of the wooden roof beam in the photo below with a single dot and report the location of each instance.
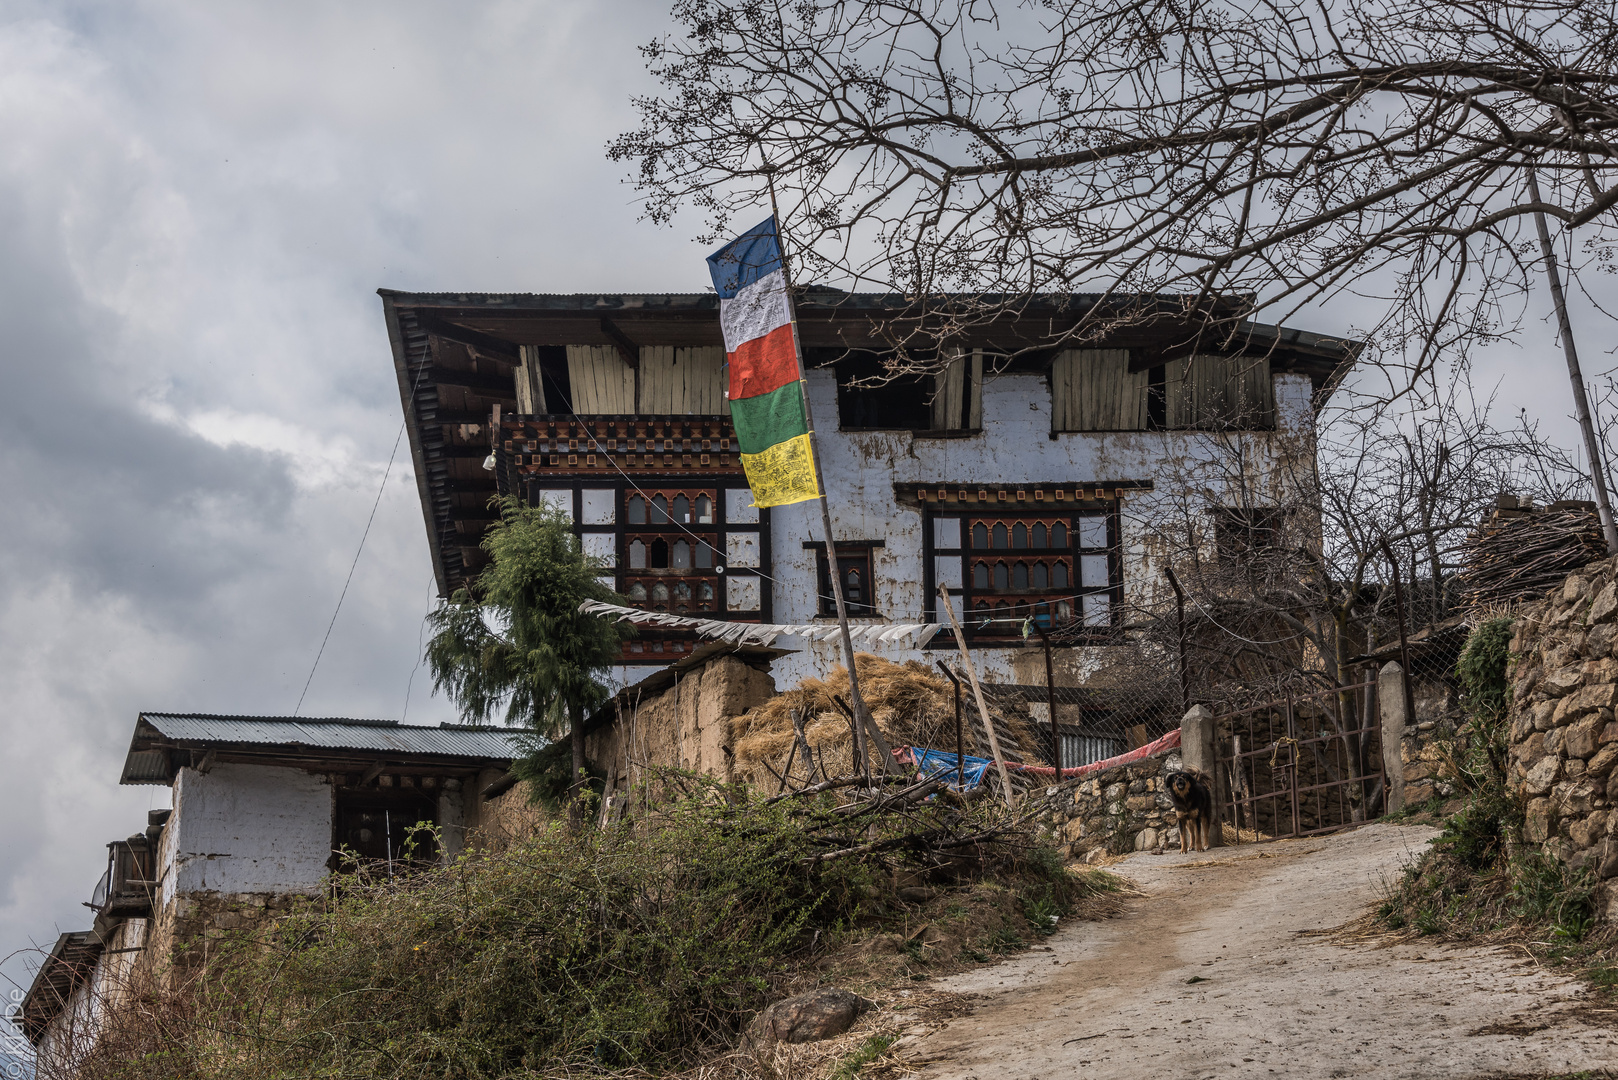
(486, 344)
(481, 382)
(626, 348)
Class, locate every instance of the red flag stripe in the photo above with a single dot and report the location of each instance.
(763, 365)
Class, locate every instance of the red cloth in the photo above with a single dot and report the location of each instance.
(1167, 742)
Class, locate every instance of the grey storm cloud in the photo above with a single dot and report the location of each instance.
(197, 204)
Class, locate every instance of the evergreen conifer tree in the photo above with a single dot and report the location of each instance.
(518, 642)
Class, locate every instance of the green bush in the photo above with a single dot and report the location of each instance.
(1492, 817)
(1482, 668)
(1544, 891)
(548, 772)
(1478, 834)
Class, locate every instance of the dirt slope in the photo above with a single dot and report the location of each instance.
(1113, 999)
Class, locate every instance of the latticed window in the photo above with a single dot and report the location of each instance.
(1058, 568)
(673, 550)
(659, 503)
(854, 572)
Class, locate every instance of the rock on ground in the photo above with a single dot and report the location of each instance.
(819, 1014)
(1219, 970)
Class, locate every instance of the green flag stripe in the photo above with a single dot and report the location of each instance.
(767, 419)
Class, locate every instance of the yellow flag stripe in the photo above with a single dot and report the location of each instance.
(783, 473)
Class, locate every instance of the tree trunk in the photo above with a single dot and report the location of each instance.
(575, 808)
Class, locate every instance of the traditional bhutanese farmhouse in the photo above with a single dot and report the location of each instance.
(1024, 478)
(263, 810)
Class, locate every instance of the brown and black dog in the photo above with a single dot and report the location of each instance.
(1192, 795)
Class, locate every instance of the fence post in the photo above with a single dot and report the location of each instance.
(1391, 698)
(1197, 752)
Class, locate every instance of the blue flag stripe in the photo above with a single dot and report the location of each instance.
(752, 255)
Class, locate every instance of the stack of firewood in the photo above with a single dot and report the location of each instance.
(1521, 551)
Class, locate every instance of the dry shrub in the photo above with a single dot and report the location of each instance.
(631, 950)
(912, 704)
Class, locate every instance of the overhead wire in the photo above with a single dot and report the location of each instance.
(381, 488)
(421, 634)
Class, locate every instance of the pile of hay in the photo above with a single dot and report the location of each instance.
(911, 704)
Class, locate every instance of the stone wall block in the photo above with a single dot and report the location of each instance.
(1522, 723)
(1562, 680)
(1588, 699)
(1589, 831)
(1538, 821)
(1609, 859)
(1542, 775)
(1572, 588)
(1605, 606)
(1601, 763)
(1580, 740)
(1573, 797)
(1529, 750)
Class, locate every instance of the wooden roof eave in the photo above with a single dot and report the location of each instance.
(455, 553)
(418, 457)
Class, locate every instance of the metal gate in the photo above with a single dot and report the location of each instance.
(1301, 766)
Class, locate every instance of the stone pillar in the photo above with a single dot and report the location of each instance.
(473, 808)
(452, 819)
(1390, 694)
(1197, 751)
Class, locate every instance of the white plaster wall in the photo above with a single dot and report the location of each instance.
(1188, 469)
(247, 829)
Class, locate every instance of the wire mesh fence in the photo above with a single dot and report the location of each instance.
(1128, 696)
(1092, 723)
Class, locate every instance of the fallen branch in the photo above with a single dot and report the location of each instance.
(832, 784)
(913, 840)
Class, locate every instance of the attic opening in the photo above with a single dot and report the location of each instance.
(869, 398)
(543, 383)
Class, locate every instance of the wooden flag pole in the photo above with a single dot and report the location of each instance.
(862, 714)
(1581, 401)
(977, 691)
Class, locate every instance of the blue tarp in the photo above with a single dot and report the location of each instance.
(942, 763)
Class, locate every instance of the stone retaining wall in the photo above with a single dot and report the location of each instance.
(183, 933)
(1563, 739)
(1113, 812)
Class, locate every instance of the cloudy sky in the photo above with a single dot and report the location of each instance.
(197, 204)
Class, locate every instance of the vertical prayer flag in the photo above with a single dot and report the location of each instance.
(766, 402)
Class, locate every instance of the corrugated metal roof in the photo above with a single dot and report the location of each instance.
(146, 767)
(450, 740)
(70, 960)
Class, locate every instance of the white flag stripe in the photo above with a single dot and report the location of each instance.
(754, 311)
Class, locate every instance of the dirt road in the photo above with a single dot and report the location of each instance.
(1208, 976)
